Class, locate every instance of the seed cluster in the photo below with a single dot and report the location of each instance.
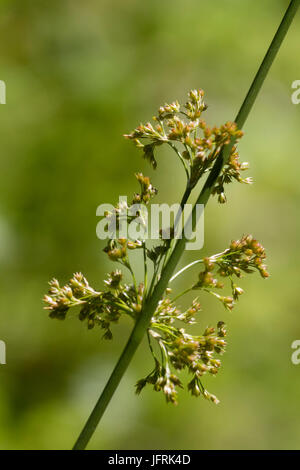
(95, 307)
(178, 349)
(173, 348)
(196, 144)
(243, 256)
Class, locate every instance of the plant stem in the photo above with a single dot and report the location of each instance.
(186, 291)
(181, 159)
(145, 267)
(184, 200)
(144, 319)
(185, 268)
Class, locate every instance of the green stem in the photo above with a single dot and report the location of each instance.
(181, 159)
(186, 291)
(146, 314)
(145, 267)
(133, 276)
(214, 259)
(185, 268)
(184, 200)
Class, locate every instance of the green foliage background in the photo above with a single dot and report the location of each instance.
(79, 75)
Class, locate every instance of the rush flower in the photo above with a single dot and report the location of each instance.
(195, 143)
(174, 349)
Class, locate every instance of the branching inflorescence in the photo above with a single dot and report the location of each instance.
(173, 349)
(196, 144)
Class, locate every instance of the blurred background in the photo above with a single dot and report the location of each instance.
(78, 76)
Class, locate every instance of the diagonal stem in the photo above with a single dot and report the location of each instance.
(147, 312)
